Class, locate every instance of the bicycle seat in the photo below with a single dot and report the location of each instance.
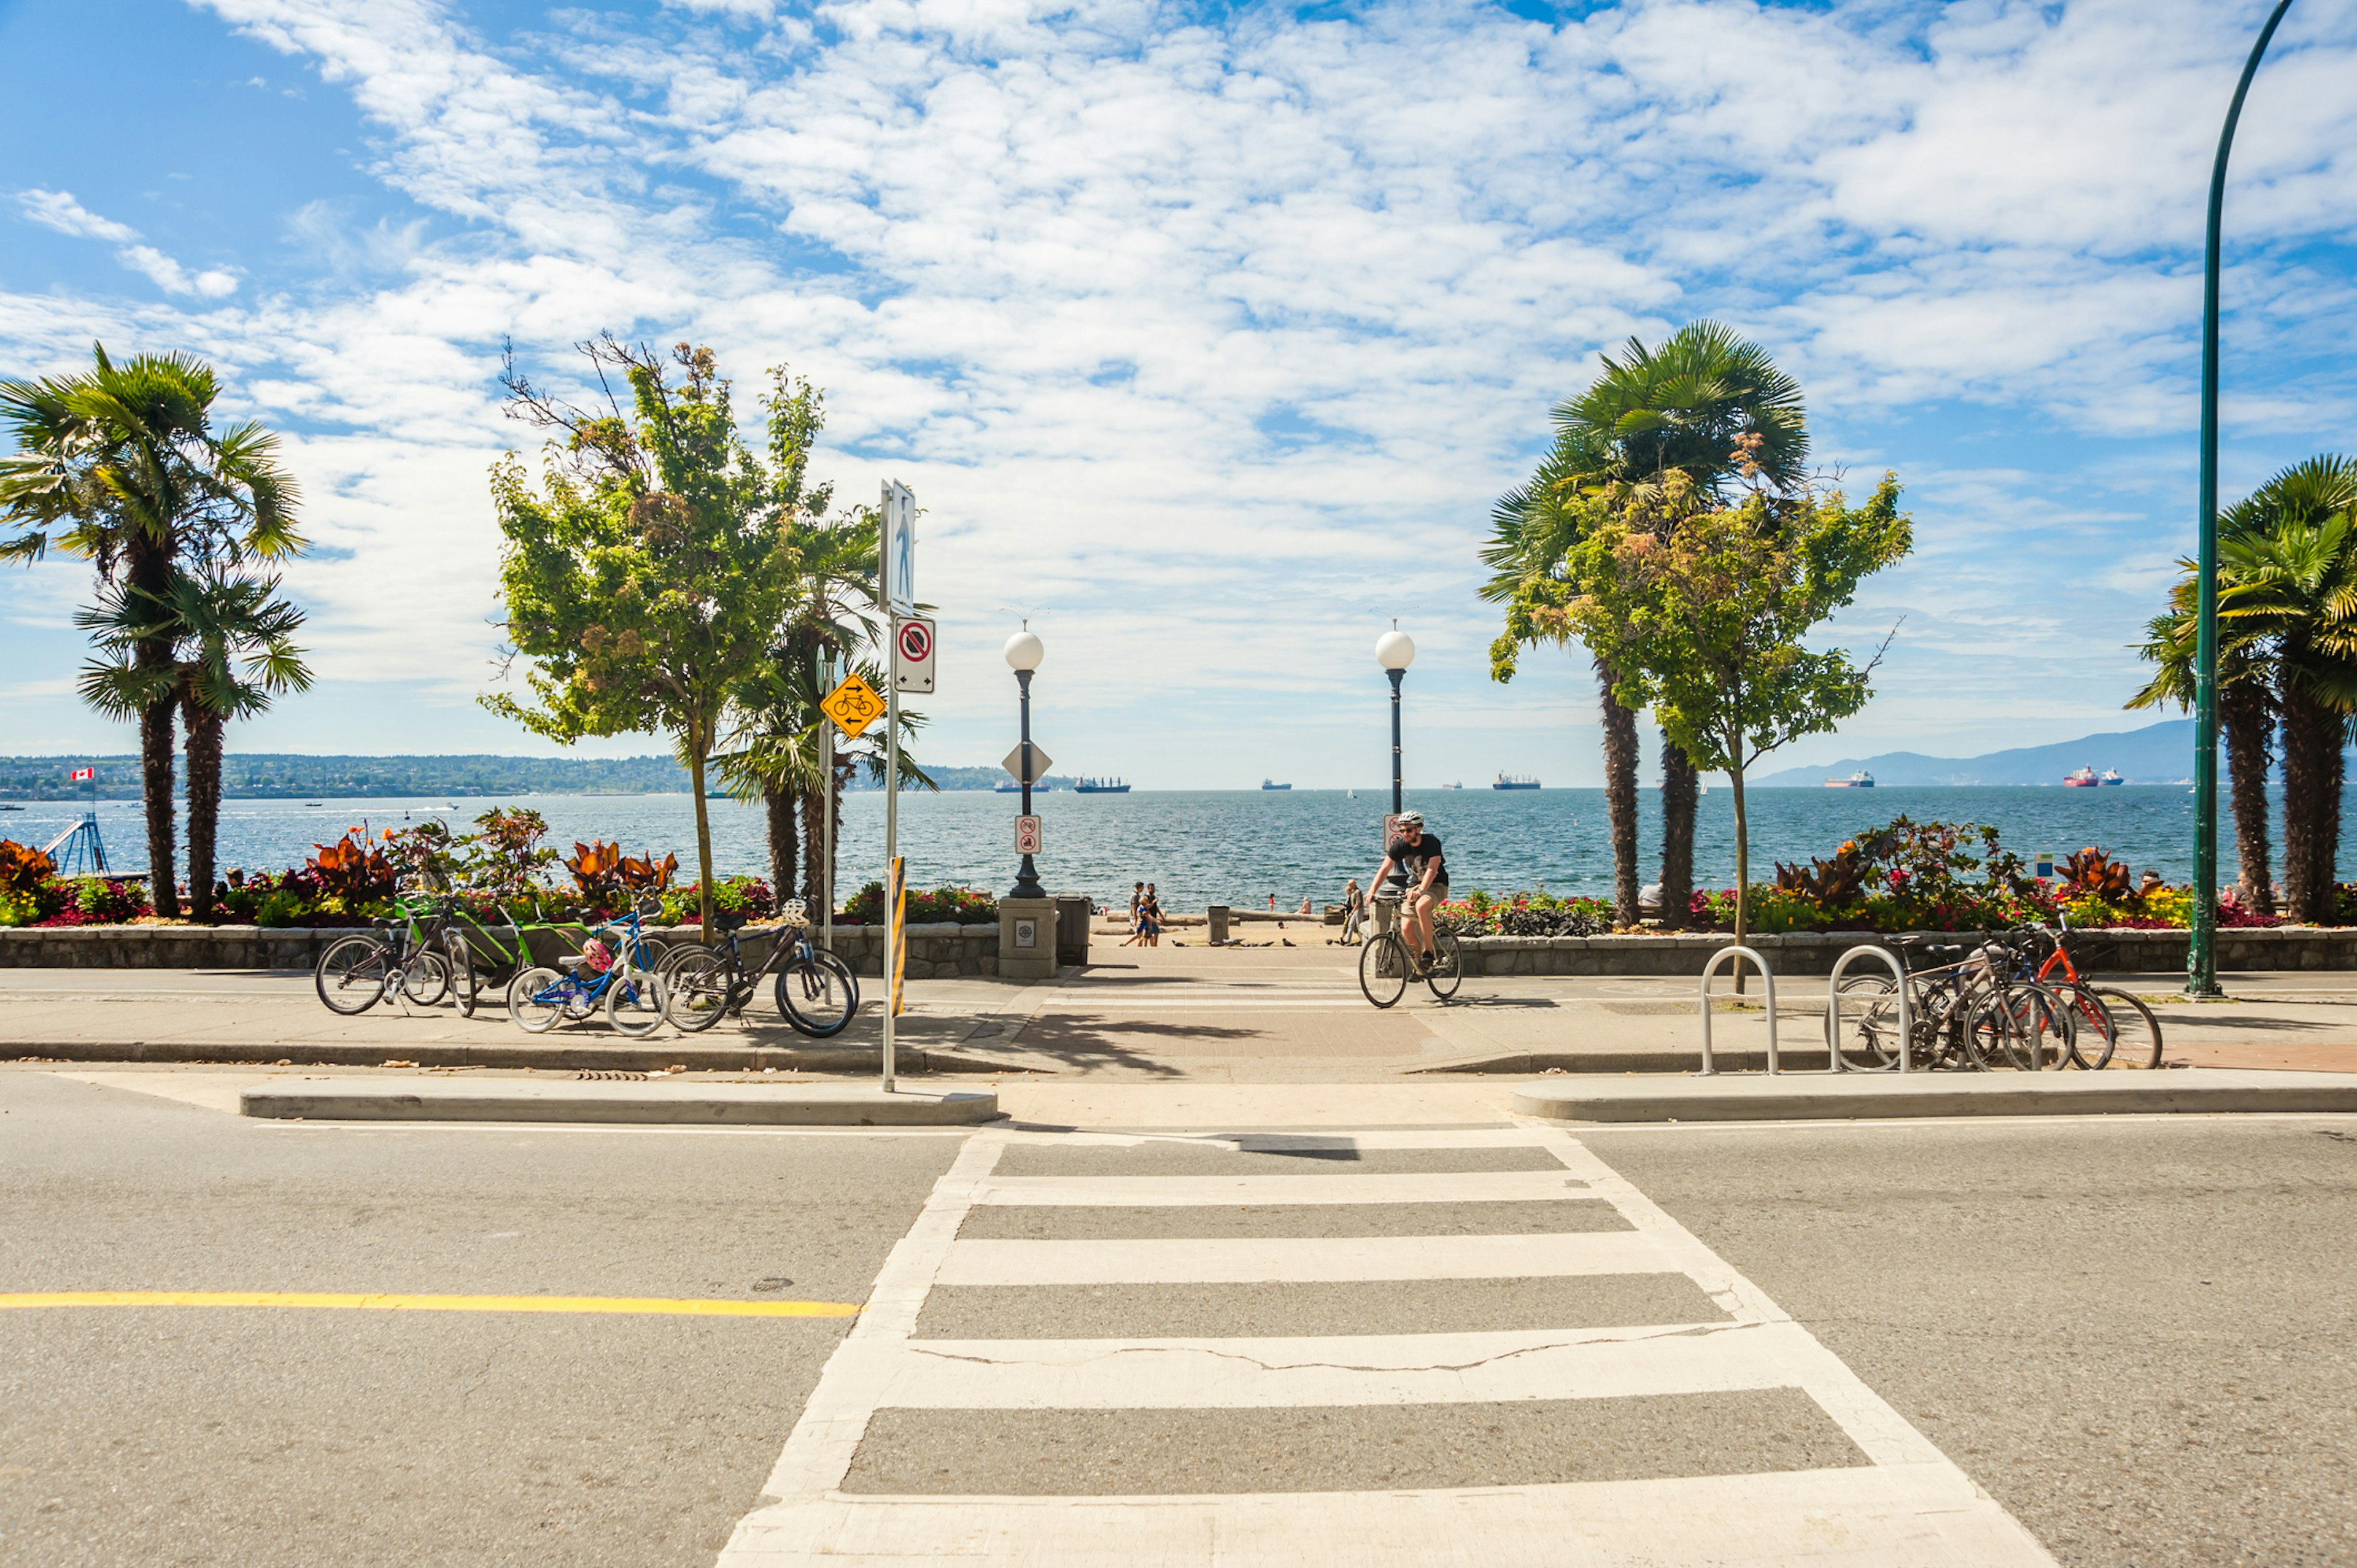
(572, 962)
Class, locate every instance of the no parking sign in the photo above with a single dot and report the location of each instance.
(913, 655)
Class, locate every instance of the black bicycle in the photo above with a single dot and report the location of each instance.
(1385, 966)
(407, 959)
(816, 990)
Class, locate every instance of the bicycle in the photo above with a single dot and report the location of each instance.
(816, 990)
(494, 954)
(628, 987)
(1385, 966)
(2130, 1032)
(1967, 1011)
(394, 961)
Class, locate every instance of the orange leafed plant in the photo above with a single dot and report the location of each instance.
(602, 868)
(350, 869)
(23, 868)
(2091, 874)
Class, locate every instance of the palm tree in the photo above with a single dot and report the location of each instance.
(2287, 654)
(121, 466)
(1708, 404)
(233, 645)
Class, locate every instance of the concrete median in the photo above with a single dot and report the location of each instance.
(1806, 1097)
(696, 1105)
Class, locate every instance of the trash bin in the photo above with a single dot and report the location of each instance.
(1073, 914)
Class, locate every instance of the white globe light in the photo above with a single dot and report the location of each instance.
(1395, 650)
(1023, 652)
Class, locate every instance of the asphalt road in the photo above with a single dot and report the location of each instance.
(2134, 1334)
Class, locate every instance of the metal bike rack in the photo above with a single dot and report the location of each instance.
(1766, 974)
(1832, 1005)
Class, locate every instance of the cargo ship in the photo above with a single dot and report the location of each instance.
(1861, 779)
(1101, 787)
(1273, 784)
(2081, 778)
(1510, 781)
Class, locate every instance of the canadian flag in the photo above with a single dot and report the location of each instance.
(82, 776)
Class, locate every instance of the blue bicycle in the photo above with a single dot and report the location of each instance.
(615, 971)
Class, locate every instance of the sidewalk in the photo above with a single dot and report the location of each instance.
(1273, 1015)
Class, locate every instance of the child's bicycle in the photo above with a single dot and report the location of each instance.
(619, 976)
(487, 952)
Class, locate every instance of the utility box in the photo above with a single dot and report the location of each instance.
(1027, 939)
(1216, 918)
(1073, 914)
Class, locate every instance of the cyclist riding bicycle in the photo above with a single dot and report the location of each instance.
(1419, 877)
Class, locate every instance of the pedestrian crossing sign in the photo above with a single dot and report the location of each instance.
(854, 706)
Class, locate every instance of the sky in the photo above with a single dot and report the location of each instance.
(1205, 334)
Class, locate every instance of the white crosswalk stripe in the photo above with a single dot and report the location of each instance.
(1905, 1503)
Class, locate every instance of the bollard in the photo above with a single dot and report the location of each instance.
(1767, 976)
(1216, 917)
(1833, 1005)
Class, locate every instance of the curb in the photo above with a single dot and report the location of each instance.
(2180, 1090)
(808, 1105)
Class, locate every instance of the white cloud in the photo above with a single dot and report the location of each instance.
(58, 209)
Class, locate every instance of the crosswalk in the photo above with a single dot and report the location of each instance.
(1541, 1367)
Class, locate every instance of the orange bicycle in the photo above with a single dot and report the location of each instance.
(2129, 1033)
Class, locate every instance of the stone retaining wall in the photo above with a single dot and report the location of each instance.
(935, 951)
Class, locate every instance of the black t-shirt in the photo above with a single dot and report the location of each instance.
(1412, 858)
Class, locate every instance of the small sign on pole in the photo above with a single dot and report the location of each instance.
(912, 656)
(1026, 835)
(854, 706)
(1013, 763)
(899, 559)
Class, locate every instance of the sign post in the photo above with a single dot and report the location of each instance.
(896, 594)
(825, 829)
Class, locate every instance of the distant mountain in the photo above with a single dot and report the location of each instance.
(264, 776)
(2157, 754)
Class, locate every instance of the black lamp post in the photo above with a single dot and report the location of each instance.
(1023, 656)
(1396, 650)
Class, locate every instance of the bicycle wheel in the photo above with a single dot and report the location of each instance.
(1971, 1032)
(2038, 1033)
(537, 998)
(425, 978)
(463, 982)
(350, 975)
(817, 993)
(2138, 1032)
(1382, 969)
(634, 1003)
(697, 985)
(2093, 1032)
(1868, 1037)
(1448, 971)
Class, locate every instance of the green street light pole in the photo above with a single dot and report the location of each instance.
(2201, 951)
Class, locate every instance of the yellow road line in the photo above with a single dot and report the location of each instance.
(386, 1303)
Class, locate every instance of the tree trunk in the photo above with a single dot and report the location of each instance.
(1742, 858)
(785, 842)
(2248, 720)
(155, 778)
(813, 804)
(695, 758)
(204, 728)
(2313, 775)
(1679, 783)
(1619, 796)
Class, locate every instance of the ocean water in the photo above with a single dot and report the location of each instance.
(1239, 847)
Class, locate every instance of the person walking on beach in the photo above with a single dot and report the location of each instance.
(1412, 862)
(1149, 918)
(1136, 922)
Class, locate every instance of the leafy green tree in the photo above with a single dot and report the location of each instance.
(1701, 610)
(1708, 404)
(647, 577)
(232, 649)
(121, 466)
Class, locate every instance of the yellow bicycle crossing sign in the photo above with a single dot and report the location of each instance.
(854, 706)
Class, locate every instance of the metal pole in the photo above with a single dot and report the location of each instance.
(826, 826)
(1395, 675)
(891, 778)
(1026, 881)
(2201, 951)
